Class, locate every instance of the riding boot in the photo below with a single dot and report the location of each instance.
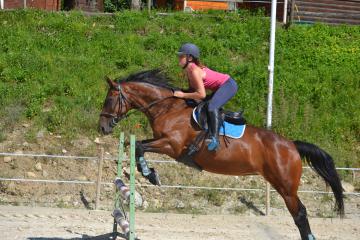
(214, 130)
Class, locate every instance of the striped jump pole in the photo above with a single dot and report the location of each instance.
(121, 219)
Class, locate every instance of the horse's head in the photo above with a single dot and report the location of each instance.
(143, 91)
(115, 107)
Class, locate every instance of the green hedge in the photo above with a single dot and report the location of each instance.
(52, 67)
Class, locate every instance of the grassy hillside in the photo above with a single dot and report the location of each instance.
(52, 67)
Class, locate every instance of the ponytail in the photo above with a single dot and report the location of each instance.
(198, 63)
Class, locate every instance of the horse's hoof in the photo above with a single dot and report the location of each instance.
(311, 237)
(154, 177)
(139, 168)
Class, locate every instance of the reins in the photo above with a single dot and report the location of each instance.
(122, 98)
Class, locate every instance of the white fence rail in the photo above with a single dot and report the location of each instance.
(57, 181)
(112, 158)
(166, 186)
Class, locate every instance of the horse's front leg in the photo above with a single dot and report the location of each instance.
(150, 145)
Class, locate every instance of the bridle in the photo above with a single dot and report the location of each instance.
(123, 99)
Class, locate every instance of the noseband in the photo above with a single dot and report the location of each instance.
(122, 98)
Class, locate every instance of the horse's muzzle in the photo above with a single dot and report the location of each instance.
(104, 126)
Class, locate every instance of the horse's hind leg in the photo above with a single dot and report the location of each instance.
(286, 184)
(298, 212)
(284, 172)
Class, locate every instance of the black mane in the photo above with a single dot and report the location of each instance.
(154, 77)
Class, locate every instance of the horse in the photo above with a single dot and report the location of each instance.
(258, 152)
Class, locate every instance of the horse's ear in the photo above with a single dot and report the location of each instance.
(111, 83)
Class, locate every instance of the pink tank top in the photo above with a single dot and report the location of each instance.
(212, 79)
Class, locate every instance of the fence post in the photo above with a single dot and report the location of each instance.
(132, 188)
(285, 11)
(353, 176)
(267, 196)
(292, 11)
(149, 5)
(99, 176)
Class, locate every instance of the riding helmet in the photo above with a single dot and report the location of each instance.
(189, 49)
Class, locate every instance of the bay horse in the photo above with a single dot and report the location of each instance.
(258, 152)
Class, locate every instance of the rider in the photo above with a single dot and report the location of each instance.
(200, 78)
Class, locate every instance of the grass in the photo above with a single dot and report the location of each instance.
(52, 66)
(2, 137)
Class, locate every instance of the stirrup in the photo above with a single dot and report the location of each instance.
(214, 144)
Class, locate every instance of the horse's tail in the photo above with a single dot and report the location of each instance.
(323, 164)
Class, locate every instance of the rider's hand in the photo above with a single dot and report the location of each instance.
(178, 94)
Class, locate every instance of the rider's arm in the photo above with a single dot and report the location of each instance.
(197, 84)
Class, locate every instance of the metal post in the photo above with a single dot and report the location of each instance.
(285, 11)
(132, 188)
(25, 4)
(1, 4)
(271, 83)
(98, 182)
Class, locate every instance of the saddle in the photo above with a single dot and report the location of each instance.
(201, 111)
(233, 121)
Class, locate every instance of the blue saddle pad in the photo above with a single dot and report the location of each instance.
(230, 130)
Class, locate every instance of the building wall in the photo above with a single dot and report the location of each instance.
(44, 4)
(53, 5)
(201, 5)
(329, 11)
(10, 4)
(90, 5)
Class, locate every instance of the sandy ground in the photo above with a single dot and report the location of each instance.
(59, 224)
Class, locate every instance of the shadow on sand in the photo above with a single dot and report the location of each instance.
(100, 237)
(251, 206)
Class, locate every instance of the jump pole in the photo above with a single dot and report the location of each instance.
(119, 175)
(130, 192)
(271, 84)
(132, 188)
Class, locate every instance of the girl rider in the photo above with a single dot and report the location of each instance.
(201, 78)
